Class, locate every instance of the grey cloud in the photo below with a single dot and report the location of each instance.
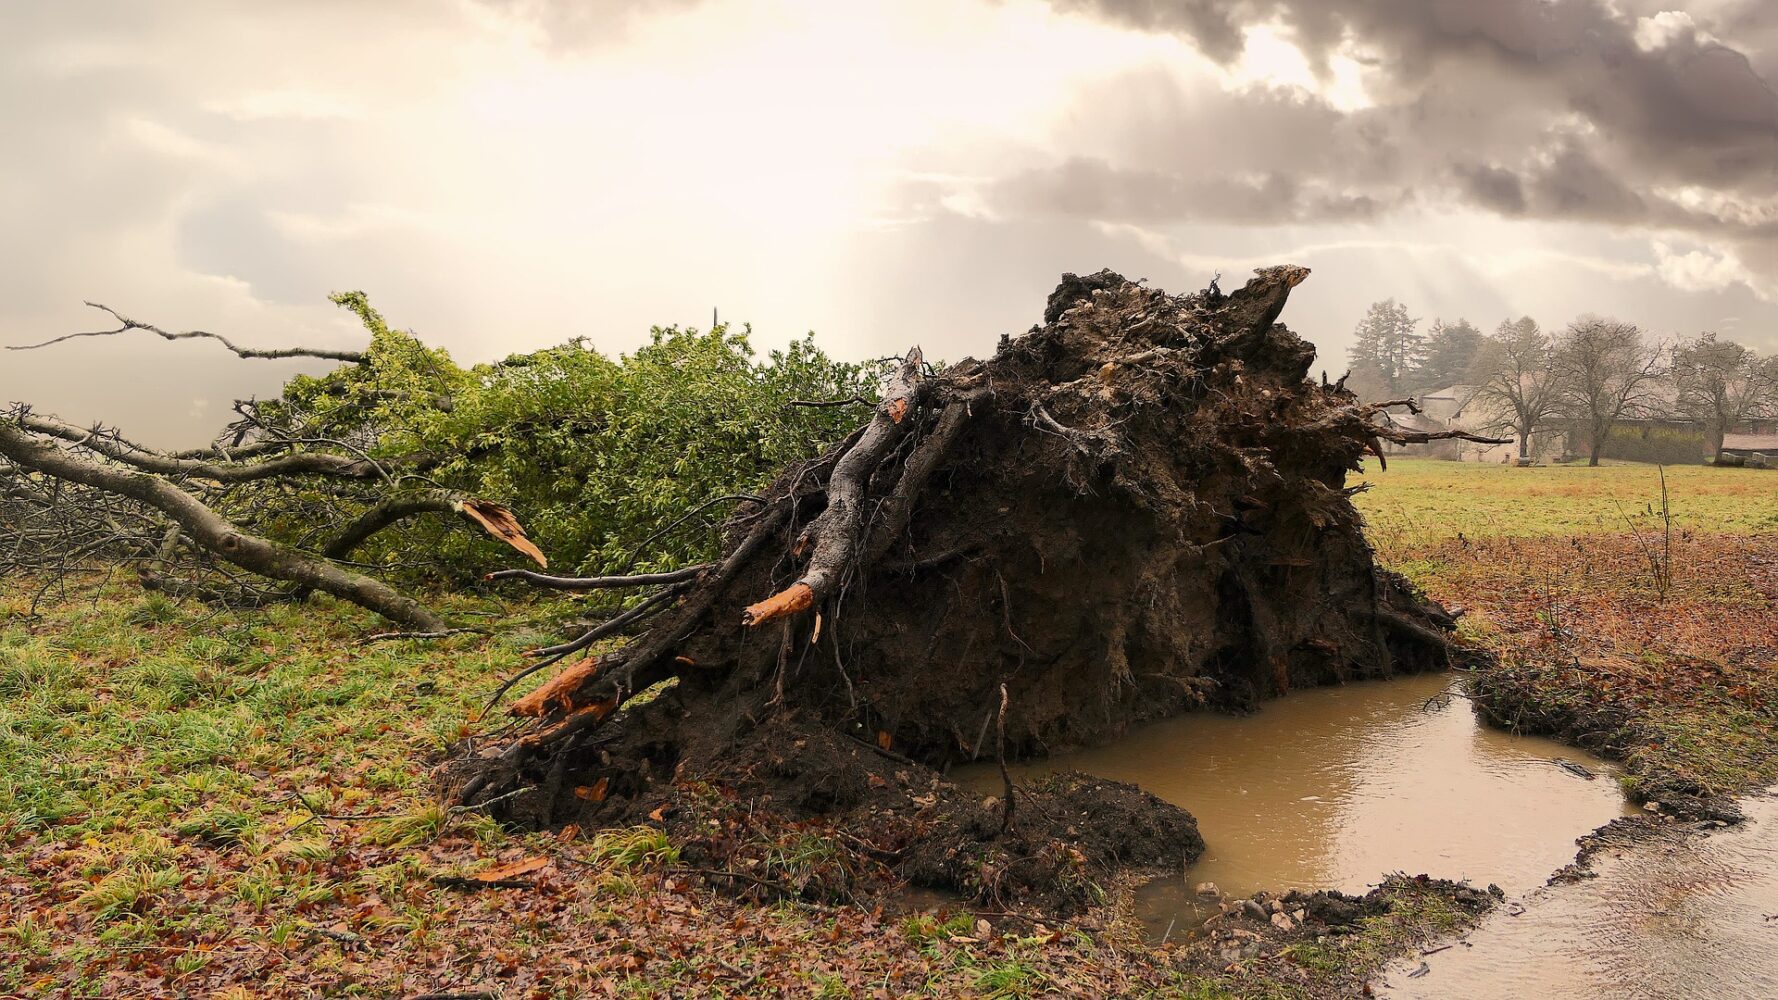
(1492, 187)
(1093, 188)
(1574, 110)
(1689, 109)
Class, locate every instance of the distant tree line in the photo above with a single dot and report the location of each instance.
(1593, 375)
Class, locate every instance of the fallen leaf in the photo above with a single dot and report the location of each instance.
(594, 792)
(500, 873)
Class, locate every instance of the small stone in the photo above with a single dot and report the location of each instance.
(1283, 922)
(1253, 909)
(1208, 889)
(1277, 907)
(1299, 914)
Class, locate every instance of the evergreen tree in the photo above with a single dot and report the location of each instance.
(1451, 350)
(1389, 349)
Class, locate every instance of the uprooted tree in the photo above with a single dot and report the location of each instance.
(1136, 508)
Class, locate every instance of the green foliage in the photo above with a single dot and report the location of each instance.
(594, 455)
(1451, 352)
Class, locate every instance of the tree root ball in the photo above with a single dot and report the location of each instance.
(1136, 509)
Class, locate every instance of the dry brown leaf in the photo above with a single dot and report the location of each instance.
(884, 740)
(500, 873)
(594, 792)
(499, 522)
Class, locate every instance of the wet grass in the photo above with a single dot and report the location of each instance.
(241, 805)
(1677, 676)
(162, 768)
(1311, 965)
(1420, 502)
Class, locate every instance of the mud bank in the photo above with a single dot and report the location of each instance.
(1536, 697)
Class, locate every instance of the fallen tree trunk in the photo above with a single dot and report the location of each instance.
(1136, 509)
(215, 533)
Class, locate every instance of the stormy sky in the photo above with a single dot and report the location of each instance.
(501, 175)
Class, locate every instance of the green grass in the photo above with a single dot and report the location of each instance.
(120, 714)
(162, 766)
(1678, 679)
(152, 755)
(1420, 501)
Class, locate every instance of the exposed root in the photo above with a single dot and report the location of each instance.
(1136, 510)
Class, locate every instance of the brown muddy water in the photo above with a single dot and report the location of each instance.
(1674, 916)
(1335, 787)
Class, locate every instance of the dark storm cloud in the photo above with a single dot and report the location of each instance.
(1552, 109)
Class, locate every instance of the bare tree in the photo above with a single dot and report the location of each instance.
(1720, 384)
(1518, 383)
(1608, 371)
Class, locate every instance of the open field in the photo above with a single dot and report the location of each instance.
(1419, 501)
(238, 804)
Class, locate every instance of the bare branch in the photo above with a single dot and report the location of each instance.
(108, 444)
(127, 324)
(834, 534)
(1400, 436)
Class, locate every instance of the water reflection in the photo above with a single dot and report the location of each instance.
(1334, 787)
(1677, 916)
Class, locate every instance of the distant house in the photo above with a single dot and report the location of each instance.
(1652, 435)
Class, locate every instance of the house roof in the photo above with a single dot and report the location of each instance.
(1750, 442)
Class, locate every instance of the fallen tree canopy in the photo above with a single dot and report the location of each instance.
(1136, 509)
(335, 485)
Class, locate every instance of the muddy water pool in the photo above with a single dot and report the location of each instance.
(1674, 916)
(1335, 787)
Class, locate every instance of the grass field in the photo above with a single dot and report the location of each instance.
(239, 805)
(1420, 502)
(1663, 650)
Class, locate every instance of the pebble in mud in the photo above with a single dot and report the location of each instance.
(1208, 889)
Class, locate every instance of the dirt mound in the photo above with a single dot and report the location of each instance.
(1136, 509)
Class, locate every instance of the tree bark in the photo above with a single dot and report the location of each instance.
(216, 534)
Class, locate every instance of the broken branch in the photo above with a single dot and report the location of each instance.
(126, 324)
